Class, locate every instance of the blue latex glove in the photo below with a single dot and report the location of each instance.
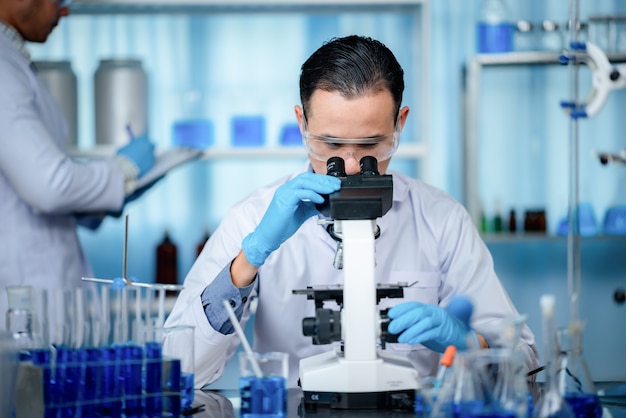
(292, 204)
(430, 325)
(140, 151)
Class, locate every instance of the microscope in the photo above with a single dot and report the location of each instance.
(355, 375)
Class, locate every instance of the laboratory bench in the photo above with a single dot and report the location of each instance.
(225, 404)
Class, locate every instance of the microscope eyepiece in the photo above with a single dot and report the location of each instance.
(336, 167)
(369, 166)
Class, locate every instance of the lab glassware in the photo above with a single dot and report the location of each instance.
(177, 379)
(265, 395)
(19, 316)
(551, 402)
(8, 371)
(579, 389)
(484, 383)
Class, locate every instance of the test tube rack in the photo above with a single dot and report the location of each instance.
(123, 380)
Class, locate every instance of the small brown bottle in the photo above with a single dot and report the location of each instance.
(512, 221)
(167, 261)
(203, 241)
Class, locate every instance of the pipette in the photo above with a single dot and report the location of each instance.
(244, 341)
(446, 363)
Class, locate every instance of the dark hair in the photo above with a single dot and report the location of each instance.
(352, 66)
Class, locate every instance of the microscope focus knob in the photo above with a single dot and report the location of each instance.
(324, 328)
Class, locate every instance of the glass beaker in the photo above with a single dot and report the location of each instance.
(8, 371)
(177, 364)
(19, 316)
(579, 390)
(263, 384)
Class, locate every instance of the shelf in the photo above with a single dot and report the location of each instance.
(184, 6)
(407, 150)
(528, 58)
(521, 237)
(471, 110)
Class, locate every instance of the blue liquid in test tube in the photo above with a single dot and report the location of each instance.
(111, 391)
(263, 397)
(154, 365)
(93, 373)
(132, 376)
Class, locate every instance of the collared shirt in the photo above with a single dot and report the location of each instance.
(15, 38)
(427, 239)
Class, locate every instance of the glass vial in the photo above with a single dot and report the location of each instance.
(525, 39)
(551, 37)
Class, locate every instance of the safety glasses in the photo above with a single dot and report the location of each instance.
(62, 3)
(323, 147)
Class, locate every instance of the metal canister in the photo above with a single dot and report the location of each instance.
(121, 101)
(61, 82)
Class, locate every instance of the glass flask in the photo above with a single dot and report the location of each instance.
(551, 404)
(485, 383)
(460, 391)
(579, 389)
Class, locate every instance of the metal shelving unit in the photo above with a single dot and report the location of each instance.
(415, 143)
(472, 108)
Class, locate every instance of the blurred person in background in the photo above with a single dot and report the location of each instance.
(44, 194)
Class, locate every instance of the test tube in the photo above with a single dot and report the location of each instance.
(138, 332)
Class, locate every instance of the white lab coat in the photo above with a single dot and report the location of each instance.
(40, 186)
(426, 237)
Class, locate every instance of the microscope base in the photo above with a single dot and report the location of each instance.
(402, 400)
(328, 380)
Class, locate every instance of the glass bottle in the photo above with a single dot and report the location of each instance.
(203, 241)
(495, 31)
(525, 36)
(167, 262)
(580, 392)
(552, 37)
(512, 221)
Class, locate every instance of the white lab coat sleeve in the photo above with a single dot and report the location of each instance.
(35, 164)
(213, 349)
(470, 271)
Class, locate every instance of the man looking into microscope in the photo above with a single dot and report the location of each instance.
(271, 243)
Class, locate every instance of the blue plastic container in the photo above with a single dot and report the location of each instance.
(615, 220)
(248, 131)
(290, 135)
(588, 225)
(193, 133)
